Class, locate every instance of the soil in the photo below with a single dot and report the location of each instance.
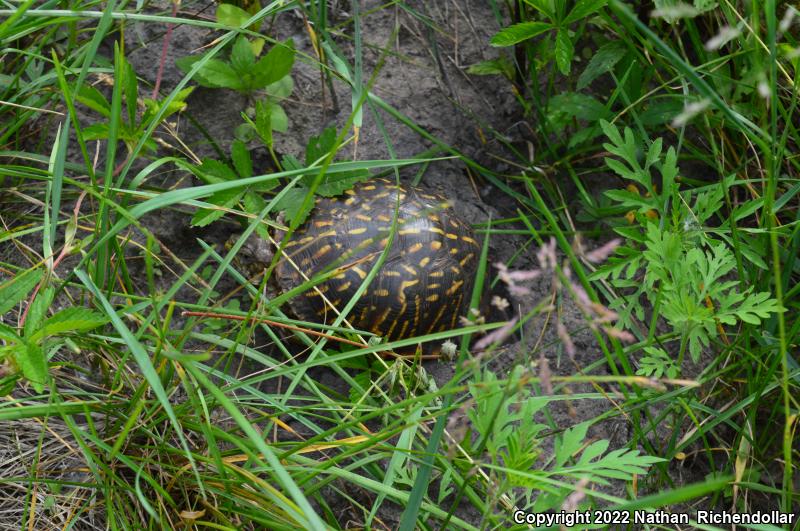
(433, 90)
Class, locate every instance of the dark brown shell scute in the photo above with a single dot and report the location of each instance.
(425, 280)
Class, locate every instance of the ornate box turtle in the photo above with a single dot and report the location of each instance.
(423, 285)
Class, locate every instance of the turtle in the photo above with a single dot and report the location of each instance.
(424, 284)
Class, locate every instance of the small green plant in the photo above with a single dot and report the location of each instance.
(506, 422)
(657, 364)
(243, 71)
(26, 350)
(684, 272)
(132, 124)
(267, 116)
(555, 26)
(551, 20)
(212, 171)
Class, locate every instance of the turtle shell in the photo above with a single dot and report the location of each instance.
(423, 285)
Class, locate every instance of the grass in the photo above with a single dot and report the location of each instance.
(149, 384)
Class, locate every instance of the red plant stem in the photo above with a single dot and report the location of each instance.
(164, 48)
(64, 251)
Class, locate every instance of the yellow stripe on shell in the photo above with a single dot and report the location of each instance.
(409, 270)
(454, 287)
(344, 287)
(322, 251)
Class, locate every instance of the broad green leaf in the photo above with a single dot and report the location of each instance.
(9, 336)
(333, 185)
(218, 74)
(654, 153)
(241, 159)
(74, 319)
(232, 16)
(206, 216)
(290, 163)
(242, 58)
(185, 63)
(14, 290)
(611, 132)
(94, 99)
(254, 203)
(278, 118)
(292, 204)
(257, 45)
(100, 131)
(519, 32)
(657, 364)
(213, 171)
(747, 209)
(263, 122)
(502, 66)
(281, 89)
(601, 62)
(246, 131)
(225, 199)
(320, 146)
(583, 9)
(622, 170)
(594, 450)
(580, 106)
(570, 442)
(617, 464)
(564, 51)
(275, 65)
(213, 74)
(178, 104)
(38, 310)
(33, 364)
(669, 171)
